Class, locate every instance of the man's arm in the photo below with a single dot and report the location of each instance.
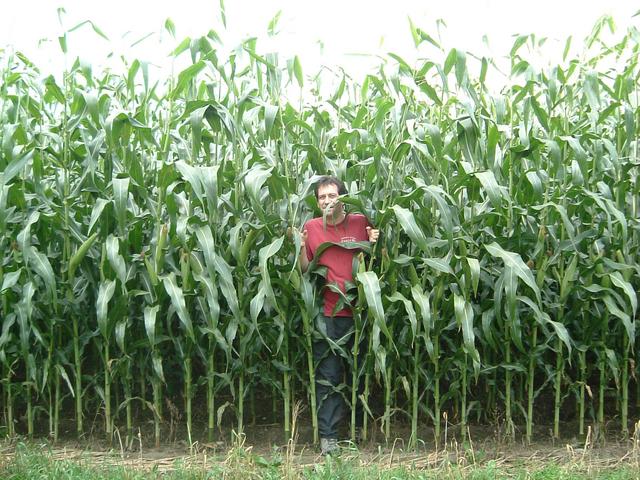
(302, 255)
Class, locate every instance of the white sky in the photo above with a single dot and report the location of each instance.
(342, 27)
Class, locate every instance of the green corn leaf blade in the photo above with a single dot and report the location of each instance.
(79, 255)
(414, 33)
(254, 180)
(619, 216)
(10, 279)
(543, 318)
(568, 279)
(562, 211)
(63, 373)
(628, 323)
(514, 261)
(182, 47)
(381, 362)
(307, 292)
(540, 316)
(580, 155)
(115, 259)
(577, 177)
(196, 120)
(170, 27)
(609, 209)
(498, 290)
(105, 293)
(562, 333)
(490, 185)
(24, 332)
(93, 26)
(96, 212)
(488, 328)
(223, 16)
(381, 114)
(120, 334)
(422, 302)
(364, 246)
(567, 47)
(438, 195)
(461, 67)
(273, 24)
(541, 115)
(62, 40)
(257, 302)
(150, 314)
(435, 137)
(226, 285)
(211, 294)
(206, 243)
(373, 296)
(536, 184)
(297, 71)
(510, 287)
(464, 317)
(450, 61)
(156, 360)
(39, 262)
(591, 89)
(410, 227)
(265, 254)
(53, 89)
(270, 113)
(120, 197)
(614, 365)
(404, 66)
(439, 264)
(629, 291)
(28, 290)
(186, 76)
(209, 180)
(420, 36)
(6, 336)
(474, 269)
(247, 245)
(193, 176)
(411, 313)
(24, 237)
(4, 193)
(177, 300)
(14, 168)
(519, 42)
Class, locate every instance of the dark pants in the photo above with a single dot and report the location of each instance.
(332, 356)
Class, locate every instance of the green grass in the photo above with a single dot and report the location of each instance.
(29, 463)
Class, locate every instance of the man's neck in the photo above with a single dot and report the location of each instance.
(331, 220)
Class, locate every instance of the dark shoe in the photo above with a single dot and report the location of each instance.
(328, 446)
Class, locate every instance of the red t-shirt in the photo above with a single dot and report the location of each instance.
(339, 261)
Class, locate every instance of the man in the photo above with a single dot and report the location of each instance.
(336, 226)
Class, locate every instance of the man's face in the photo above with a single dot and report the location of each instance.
(328, 200)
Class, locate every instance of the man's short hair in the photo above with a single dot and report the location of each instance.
(329, 180)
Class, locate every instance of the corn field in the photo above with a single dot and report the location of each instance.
(148, 239)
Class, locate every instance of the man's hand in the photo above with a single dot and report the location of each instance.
(373, 234)
(302, 254)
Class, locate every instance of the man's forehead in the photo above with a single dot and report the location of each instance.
(328, 188)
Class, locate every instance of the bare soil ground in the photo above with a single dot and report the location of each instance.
(263, 445)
